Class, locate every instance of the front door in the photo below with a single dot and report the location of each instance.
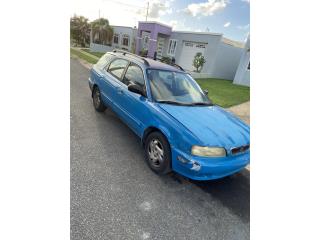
(134, 104)
(160, 47)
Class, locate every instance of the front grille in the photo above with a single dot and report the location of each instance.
(240, 149)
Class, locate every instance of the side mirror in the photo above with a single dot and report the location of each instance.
(136, 89)
(206, 92)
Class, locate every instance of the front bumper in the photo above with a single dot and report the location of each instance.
(205, 168)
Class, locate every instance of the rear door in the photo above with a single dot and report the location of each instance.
(135, 105)
(112, 86)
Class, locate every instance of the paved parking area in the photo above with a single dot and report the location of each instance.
(114, 195)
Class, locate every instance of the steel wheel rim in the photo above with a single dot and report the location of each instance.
(156, 152)
(96, 98)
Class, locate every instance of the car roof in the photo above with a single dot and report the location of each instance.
(147, 62)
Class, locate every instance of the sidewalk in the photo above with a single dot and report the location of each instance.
(242, 111)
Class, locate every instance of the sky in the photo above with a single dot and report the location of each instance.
(229, 17)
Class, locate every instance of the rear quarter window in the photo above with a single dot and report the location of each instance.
(104, 60)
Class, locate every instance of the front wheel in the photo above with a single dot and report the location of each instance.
(158, 153)
(97, 101)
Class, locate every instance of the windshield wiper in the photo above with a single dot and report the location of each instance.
(173, 102)
(201, 104)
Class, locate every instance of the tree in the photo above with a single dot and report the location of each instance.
(80, 30)
(198, 61)
(102, 32)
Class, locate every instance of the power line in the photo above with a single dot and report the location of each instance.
(147, 12)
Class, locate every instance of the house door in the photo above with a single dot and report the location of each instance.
(160, 47)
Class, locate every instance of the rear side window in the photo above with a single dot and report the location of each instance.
(134, 75)
(117, 67)
(103, 61)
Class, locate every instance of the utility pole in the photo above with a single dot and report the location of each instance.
(147, 12)
(99, 13)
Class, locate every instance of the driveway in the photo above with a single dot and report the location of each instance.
(114, 195)
(242, 111)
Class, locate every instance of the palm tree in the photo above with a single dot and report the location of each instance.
(80, 30)
(102, 32)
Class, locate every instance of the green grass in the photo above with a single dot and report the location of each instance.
(83, 56)
(224, 92)
(97, 54)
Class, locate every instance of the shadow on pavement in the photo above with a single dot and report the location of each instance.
(233, 192)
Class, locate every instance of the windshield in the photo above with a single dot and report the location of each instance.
(176, 88)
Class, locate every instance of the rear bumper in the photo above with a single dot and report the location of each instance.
(204, 168)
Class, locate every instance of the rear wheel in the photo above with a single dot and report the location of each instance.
(97, 101)
(158, 153)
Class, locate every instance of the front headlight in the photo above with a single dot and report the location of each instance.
(208, 151)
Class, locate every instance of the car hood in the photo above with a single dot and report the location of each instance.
(212, 125)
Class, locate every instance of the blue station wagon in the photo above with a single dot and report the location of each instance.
(180, 129)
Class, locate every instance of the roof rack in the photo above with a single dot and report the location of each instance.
(132, 54)
(173, 64)
(177, 66)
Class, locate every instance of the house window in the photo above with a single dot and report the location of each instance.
(172, 47)
(248, 67)
(116, 38)
(125, 40)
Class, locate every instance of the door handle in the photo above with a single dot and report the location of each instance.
(119, 90)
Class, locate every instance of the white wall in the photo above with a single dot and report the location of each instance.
(212, 41)
(222, 59)
(242, 76)
(100, 48)
(226, 61)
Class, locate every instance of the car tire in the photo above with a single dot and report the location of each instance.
(97, 101)
(158, 153)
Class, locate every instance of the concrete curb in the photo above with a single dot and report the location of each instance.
(82, 62)
(85, 53)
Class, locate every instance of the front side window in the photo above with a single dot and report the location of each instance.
(134, 75)
(125, 40)
(116, 38)
(176, 88)
(117, 67)
(172, 47)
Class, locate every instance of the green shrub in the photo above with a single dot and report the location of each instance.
(166, 60)
(198, 61)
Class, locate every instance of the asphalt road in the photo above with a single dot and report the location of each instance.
(114, 195)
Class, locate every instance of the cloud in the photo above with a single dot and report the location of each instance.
(157, 8)
(205, 8)
(174, 24)
(247, 1)
(227, 24)
(244, 27)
